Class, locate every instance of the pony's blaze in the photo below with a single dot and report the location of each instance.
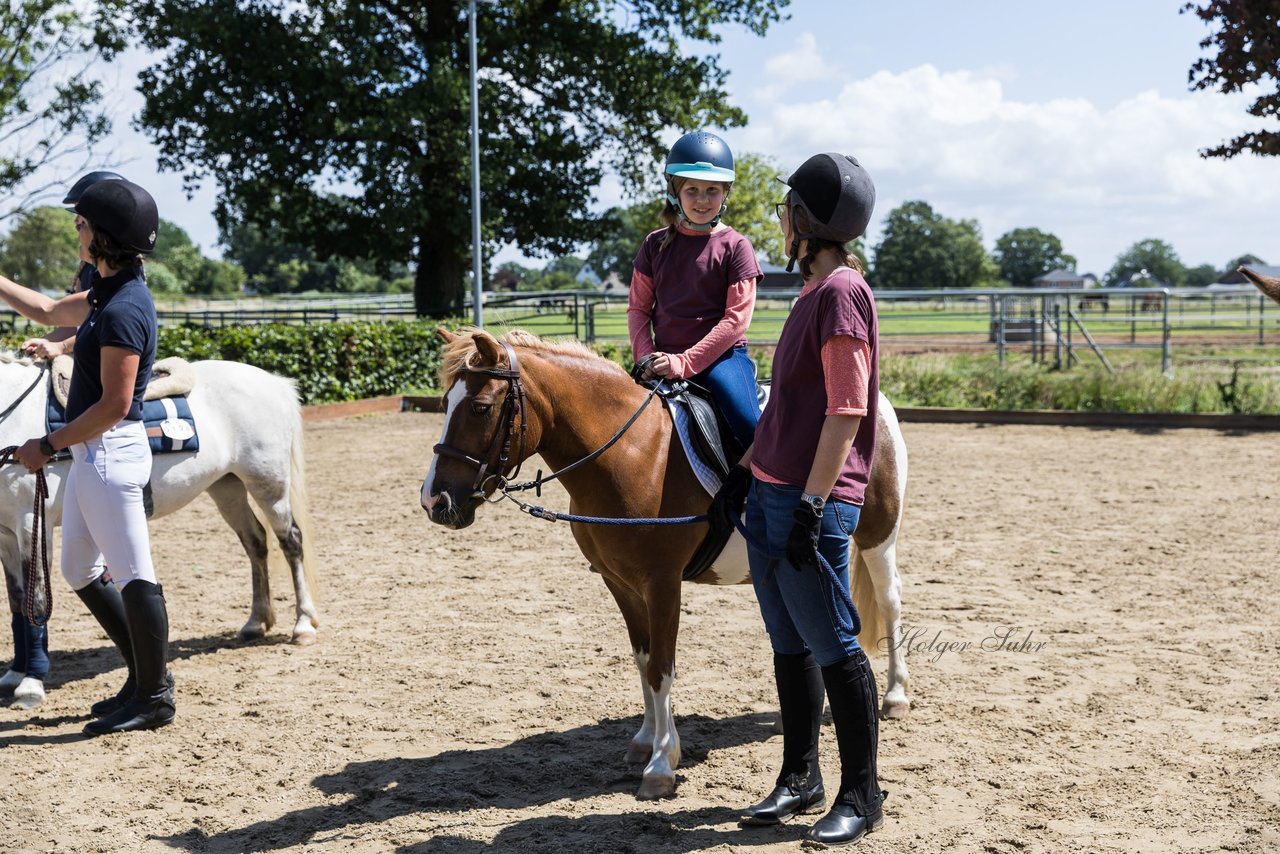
(448, 500)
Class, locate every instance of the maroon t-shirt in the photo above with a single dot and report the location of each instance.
(691, 280)
(787, 435)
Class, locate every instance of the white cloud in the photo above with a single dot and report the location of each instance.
(1101, 179)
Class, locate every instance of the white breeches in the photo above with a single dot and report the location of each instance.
(103, 515)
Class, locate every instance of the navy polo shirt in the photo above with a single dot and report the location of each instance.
(121, 314)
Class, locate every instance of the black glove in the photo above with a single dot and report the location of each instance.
(639, 368)
(802, 542)
(729, 501)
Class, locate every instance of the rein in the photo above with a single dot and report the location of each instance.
(32, 571)
(44, 366)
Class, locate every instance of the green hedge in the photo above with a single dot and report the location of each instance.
(330, 361)
(352, 360)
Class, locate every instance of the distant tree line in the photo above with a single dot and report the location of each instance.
(348, 170)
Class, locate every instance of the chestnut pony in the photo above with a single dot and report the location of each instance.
(510, 399)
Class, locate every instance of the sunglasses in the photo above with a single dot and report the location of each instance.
(778, 208)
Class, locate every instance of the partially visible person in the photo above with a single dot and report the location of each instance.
(810, 465)
(103, 513)
(693, 286)
(62, 340)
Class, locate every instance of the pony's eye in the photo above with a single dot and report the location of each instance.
(478, 408)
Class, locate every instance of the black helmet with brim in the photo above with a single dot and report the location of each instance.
(124, 211)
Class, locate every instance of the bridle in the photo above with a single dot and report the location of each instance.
(512, 406)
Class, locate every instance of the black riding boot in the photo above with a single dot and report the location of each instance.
(104, 602)
(851, 690)
(798, 788)
(152, 703)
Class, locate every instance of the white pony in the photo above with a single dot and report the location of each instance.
(249, 426)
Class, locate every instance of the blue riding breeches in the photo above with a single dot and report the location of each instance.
(731, 379)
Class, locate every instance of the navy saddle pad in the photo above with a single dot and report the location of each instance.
(170, 427)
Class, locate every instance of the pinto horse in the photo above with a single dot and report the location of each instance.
(249, 424)
(510, 399)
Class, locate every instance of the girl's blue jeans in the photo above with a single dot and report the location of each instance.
(802, 610)
(731, 379)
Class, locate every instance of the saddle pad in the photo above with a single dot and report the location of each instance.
(169, 423)
(706, 476)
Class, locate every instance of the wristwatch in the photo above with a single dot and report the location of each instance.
(46, 447)
(816, 502)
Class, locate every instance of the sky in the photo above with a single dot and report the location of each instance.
(1074, 118)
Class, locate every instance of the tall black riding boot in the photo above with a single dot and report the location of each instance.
(851, 690)
(104, 602)
(798, 788)
(152, 703)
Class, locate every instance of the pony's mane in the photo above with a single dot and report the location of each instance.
(11, 357)
(461, 353)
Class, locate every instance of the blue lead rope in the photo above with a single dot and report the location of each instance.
(853, 627)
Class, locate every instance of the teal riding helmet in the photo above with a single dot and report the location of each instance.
(701, 156)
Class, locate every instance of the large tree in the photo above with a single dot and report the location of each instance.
(1246, 36)
(49, 103)
(1146, 261)
(344, 124)
(1025, 253)
(923, 249)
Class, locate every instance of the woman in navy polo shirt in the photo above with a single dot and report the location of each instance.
(809, 467)
(103, 513)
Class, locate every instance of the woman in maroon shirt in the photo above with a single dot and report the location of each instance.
(808, 475)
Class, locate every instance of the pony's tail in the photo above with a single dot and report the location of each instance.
(298, 505)
(300, 515)
(872, 636)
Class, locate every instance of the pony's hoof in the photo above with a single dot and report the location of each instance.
(895, 710)
(28, 695)
(654, 788)
(253, 632)
(304, 637)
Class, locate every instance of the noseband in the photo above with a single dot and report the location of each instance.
(512, 406)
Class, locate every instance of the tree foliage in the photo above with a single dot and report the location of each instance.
(346, 124)
(1246, 37)
(1025, 253)
(1246, 260)
(620, 232)
(1148, 263)
(49, 104)
(272, 266)
(751, 205)
(923, 249)
(1202, 275)
(42, 250)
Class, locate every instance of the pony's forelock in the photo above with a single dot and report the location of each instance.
(461, 354)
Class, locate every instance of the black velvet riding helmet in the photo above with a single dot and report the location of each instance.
(124, 211)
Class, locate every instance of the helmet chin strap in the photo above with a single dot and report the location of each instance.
(693, 226)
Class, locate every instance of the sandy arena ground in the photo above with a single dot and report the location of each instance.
(474, 691)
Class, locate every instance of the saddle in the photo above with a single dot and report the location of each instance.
(166, 414)
(710, 448)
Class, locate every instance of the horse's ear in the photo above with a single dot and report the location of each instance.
(488, 347)
(446, 335)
